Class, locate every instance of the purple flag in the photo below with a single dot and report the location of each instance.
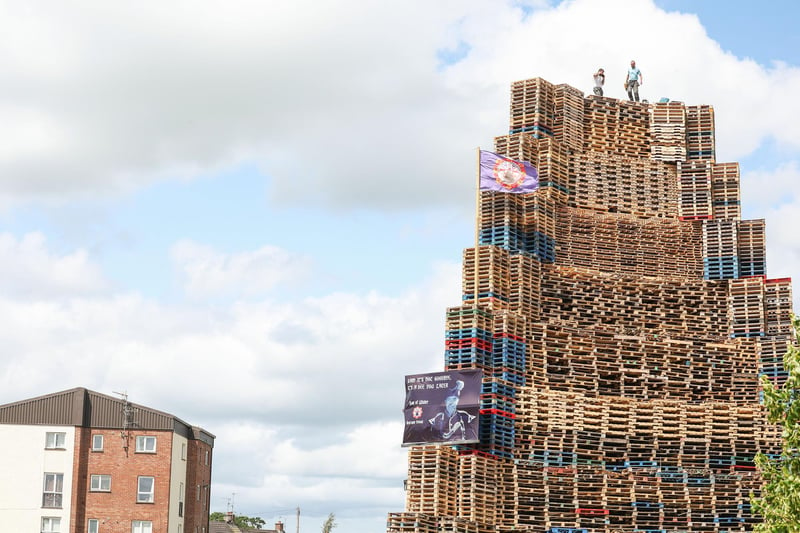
(500, 173)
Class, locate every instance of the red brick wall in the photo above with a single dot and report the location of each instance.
(116, 509)
(80, 480)
(198, 473)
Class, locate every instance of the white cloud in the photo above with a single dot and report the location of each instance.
(763, 188)
(772, 194)
(337, 102)
(284, 385)
(208, 272)
(29, 270)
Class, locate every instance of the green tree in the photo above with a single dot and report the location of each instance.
(329, 523)
(253, 522)
(779, 504)
(241, 521)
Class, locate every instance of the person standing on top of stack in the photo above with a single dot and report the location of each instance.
(599, 80)
(633, 80)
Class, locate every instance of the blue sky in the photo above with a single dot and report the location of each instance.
(249, 196)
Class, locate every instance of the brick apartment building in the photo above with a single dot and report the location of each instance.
(78, 461)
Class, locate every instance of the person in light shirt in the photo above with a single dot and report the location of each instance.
(633, 81)
(599, 81)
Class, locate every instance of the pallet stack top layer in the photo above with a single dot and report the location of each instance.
(622, 317)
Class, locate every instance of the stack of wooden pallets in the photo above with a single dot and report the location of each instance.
(668, 131)
(694, 182)
(725, 191)
(700, 132)
(622, 318)
(533, 107)
(569, 116)
(752, 249)
(611, 183)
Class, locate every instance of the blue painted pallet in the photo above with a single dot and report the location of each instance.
(720, 461)
(532, 129)
(554, 185)
(512, 363)
(497, 423)
(497, 441)
(489, 294)
(453, 360)
(774, 373)
(747, 334)
(500, 453)
(722, 260)
(509, 348)
(671, 477)
(494, 387)
(720, 274)
(648, 505)
(514, 377)
(469, 333)
(498, 403)
(642, 464)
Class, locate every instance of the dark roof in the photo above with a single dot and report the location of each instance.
(215, 526)
(84, 408)
(218, 526)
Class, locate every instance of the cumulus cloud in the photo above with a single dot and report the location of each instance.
(331, 387)
(28, 269)
(764, 188)
(335, 102)
(206, 272)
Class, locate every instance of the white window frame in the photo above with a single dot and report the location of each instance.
(52, 438)
(51, 524)
(57, 491)
(100, 483)
(141, 526)
(143, 444)
(143, 496)
(183, 451)
(207, 454)
(97, 442)
(93, 526)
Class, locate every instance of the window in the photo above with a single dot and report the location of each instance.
(180, 499)
(145, 444)
(100, 482)
(53, 490)
(206, 457)
(141, 526)
(183, 451)
(97, 443)
(145, 492)
(94, 526)
(51, 524)
(55, 440)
